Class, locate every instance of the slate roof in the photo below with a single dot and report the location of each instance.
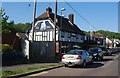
(66, 25)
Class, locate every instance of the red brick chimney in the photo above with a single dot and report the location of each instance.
(48, 9)
(71, 18)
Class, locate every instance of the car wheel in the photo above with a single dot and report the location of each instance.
(91, 61)
(101, 58)
(84, 64)
(98, 58)
(65, 65)
(110, 54)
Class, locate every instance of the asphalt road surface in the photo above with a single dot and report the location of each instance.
(107, 67)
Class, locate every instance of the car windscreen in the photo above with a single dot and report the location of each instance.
(94, 50)
(74, 52)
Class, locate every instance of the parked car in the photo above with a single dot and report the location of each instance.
(96, 53)
(76, 57)
(114, 50)
(108, 52)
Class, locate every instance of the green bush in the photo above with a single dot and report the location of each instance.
(5, 47)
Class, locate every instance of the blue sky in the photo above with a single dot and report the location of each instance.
(102, 15)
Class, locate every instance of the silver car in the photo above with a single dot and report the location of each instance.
(76, 57)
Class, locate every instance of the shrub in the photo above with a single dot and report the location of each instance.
(5, 47)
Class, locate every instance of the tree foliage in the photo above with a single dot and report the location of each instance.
(8, 27)
(112, 35)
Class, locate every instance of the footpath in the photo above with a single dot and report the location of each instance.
(27, 69)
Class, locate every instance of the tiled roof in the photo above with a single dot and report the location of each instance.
(98, 35)
(22, 35)
(66, 25)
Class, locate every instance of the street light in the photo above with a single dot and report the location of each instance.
(60, 41)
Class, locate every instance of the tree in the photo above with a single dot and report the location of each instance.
(10, 26)
(6, 26)
(109, 34)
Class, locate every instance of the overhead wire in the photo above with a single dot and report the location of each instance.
(80, 15)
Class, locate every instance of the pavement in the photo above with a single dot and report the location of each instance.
(23, 66)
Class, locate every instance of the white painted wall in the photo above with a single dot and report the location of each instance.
(25, 48)
(108, 40)
(48, 35)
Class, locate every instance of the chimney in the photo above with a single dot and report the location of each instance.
(93, 32)
(71, 18)
(49, 10)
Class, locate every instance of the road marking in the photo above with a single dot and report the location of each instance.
(39, 73)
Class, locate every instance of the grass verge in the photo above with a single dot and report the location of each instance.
(26, 70)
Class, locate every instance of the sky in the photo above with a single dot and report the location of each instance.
(101, 15)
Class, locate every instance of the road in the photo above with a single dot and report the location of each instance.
(107, 67)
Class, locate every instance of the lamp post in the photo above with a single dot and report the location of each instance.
(60, 41)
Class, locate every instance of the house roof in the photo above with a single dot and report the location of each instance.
(22, 35)
(66, 24)
(98, 35)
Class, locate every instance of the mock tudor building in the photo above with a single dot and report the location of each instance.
(67, 34)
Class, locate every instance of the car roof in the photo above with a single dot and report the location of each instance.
(94, 48)
(77, 50)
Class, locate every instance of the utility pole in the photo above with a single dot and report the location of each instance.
(33, 24)
(91, 32)
(60, 31)
(55, 15)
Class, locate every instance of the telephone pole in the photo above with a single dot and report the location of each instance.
(55, 16)
(33, 24)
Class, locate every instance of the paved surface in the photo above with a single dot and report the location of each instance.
(107, 67)
(22, 66)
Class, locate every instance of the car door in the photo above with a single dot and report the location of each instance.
(84, 56)
(89, 58)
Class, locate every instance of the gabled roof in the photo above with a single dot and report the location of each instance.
(66, 25)
(22, 35)
(98, 35)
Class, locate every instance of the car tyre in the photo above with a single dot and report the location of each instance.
(84, 64)
(91, 61)
(98, 58)
(101, 58)
(65, 65)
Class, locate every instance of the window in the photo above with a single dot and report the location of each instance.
(48, 25)
(83, 53)
(69, 35)
(87, 53)
(38, 26)
(62, 34)
(77, 36)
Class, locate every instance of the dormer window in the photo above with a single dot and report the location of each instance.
(38, 26)
(48, 25)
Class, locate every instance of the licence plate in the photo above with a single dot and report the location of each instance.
(70, 57)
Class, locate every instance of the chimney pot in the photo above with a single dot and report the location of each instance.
(71, 18)
(48, 9)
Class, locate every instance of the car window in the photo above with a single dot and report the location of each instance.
(74, 52)
(99, 49)
(83, 53)
(80, 52)
(87, 53)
